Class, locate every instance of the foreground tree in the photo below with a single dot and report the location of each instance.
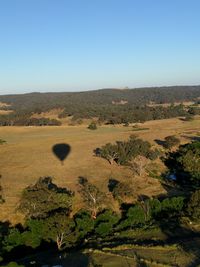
(43, 198)
(31, 236)
(106, 222)
(139, 164)
(60, 228)
(94, 199)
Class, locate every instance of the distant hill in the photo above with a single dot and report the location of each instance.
(138, 97)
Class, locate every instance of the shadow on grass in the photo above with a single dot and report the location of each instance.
(61, 151)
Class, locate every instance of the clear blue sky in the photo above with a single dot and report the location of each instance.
(71, 45)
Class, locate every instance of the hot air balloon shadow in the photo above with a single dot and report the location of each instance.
(61, 151)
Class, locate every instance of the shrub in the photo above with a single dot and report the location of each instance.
(92, 126)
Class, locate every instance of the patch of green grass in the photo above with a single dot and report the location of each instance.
(110, 260)
(2, 141)
(152, 233)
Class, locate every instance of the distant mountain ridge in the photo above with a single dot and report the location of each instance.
(138, 96)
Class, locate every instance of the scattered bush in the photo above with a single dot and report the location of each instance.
(92, 126)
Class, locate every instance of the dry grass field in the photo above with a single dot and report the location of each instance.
(2, 111)
(28, 155)
(5, 112)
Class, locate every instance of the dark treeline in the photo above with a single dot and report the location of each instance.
(23, 119)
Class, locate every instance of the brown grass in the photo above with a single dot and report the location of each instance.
(5, 112)
(28, 156)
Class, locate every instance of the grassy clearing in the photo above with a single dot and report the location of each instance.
(150, 256)
(110, 260)
(28, 156)
(157, 255)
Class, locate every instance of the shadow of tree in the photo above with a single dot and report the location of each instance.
(191, 138)
(160, 142)
(187, 239)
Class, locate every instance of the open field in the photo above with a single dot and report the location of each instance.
(28, 156)
(5, 112)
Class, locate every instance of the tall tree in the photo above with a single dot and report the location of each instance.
(60, 228)
(94, 199)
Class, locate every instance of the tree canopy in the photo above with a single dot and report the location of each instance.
(43, 198)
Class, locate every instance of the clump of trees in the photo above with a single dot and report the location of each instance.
(124, 151)
(45, 197)
(26, 119)
(149, 211)
(93, 198)
(185, 163)
(194, 110)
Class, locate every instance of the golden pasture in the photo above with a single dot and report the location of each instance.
(28, 155)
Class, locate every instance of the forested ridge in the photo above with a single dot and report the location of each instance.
(110, 106)
(140, 96)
